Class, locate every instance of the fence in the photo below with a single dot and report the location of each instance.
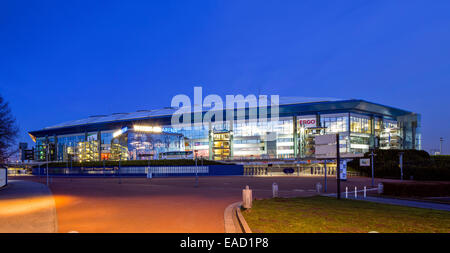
(264, 170)
(157, 171)
(167, 171)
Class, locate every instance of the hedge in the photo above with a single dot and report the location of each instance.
(417, 165)
(416, 189)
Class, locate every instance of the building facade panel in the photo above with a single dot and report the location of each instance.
(361, 126)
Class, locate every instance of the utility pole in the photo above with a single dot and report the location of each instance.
(325, 168)
(372, 156)
(47, 160)
(196, 169)
(67, 159)
(401, 165)
(120, 159)
(338, 167)
(149, 171)
(440, 148)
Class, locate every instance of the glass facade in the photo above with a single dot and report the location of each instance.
(390, 136)
(263, 139)
(145, 146)
(338, 123)
(41, 149)
(195, 138)
(360, 133)
(287, 137)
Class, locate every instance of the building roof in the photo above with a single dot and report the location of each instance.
(288, 106)
(167, 111)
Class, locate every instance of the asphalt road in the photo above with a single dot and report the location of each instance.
(27, 207)
(164, 204)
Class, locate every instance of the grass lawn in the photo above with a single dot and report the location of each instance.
(328, 215)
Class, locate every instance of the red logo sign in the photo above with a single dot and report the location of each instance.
(307, 122)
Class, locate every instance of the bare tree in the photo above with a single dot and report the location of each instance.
(8, 131)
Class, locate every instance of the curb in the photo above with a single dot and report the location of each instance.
(234, 221)
(228, 218)
(244, 226)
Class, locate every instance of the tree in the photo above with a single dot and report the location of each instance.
(8, 130)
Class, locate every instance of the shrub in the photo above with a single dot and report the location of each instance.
(419, 189)
(417, 164)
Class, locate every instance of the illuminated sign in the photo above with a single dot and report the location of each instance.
(169, 130)
(119, 132)
(307, 122)
(364, 162)
(151, 129)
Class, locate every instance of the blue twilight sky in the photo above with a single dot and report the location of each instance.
(65, 60)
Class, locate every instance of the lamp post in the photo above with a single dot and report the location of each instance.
(196, 169)
(149, 171)
(401, 165)
(338, 167)
(325, 172)
(120, 159)
(47, 160)
(372, 157)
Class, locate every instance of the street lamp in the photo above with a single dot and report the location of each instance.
(372, 156)
(338, 167)
(196, 169)
(48, 145)
(401, 165)
(120, 159)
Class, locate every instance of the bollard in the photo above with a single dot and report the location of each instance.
(365, 192)
(247, 198)
(318, 187)
(380, 188)
(346, 192)
(149, 173)
(274, 190)
(356, 193)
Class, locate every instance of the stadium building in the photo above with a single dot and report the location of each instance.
(148, 134)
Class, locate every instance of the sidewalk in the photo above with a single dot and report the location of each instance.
(392, 201)
(27, 207)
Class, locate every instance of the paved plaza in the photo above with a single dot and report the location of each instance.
(164, 204)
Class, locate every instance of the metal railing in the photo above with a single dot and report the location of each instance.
(261, 170)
